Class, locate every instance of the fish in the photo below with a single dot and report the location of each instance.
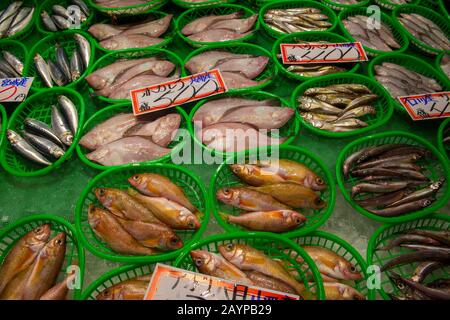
(84, 48)
(59, 10)
(156, 185)
(122, 205)
(129, 41)
(126, 151)
(167, 211)
(10, 10)
(43, 70)
(140, 81)
(296, 20)
(43, 145)
(427, 247)
(76, 65)
(215, 265)
(383, 187)
(21, 146)
(261, 117)
(425, 30)
(272, 221)
(126, 290)
(256, 175)
(153, 28)
(249, 67)
(249, 200)
(82, 5)
(293, 195)
(407, 158)
(60, 127)
(60, 290)
(61, 22)
(103, 31)
(341, 291)
(109, 230)
(403, 208)
(42, 129)
(13, 61)
(264, 281)
(417, 256)
(424, 269)
(408, 238)
(203, 23)
(431, 293)
(208, 60)
(237, 25)
(7, 68)
(23, 253)
(443, 237)
(419, 194)
(247, 258)
(56, 74)
(20, 21)
(63, 61)
(217, 35)
(70, 112)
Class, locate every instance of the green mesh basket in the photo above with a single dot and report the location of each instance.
(272, 245)
(117, 178)
(344, 249)
(259, 3)
(108, 112)
(438, 19)
(387, 4)
(382, 104)
(436, 167)
(444, 149)
(269, 73)
(224, 178)
(46, 48)
(116, 276)
(147, 7)
(74, 252)
(386, 233)
(131, 54)
(39, 107)
(25, 32)
(193, 14)
(436, 5)
(3, 122)
(294, 4)
(411, 63)
(399, 36)
(47, 6)
(17, 48)
(167, 36)
(312, 36)
(289, 130)
(335, 5)
(203, 4)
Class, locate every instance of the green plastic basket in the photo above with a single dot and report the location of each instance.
(3, 122)
(116, 276)
(344, 249)
(294, 4)
(386, 4)
(269, 73)
(438, 19)
(399, 36)
(74, 252)
(436, 5)
(340, 6)
(386, 233)
(167, 36)
(289, 130)
(411, 63)
(436, 165)
(17, 48)
(313, 36)
(192, 14)
(108, 112)
(444, 149)
(259, 3)
(46, 48)
(272, 245)
(224, 178)
(206, 3)
(47, 6)
(129, 54)
(21, 35)
(117, 178)
(147, 7)
(39, 107)
(382, 104)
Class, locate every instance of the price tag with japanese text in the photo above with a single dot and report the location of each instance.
(302, 53)
(169, 283)
(427, 106)
(177, 92)
(14, 89)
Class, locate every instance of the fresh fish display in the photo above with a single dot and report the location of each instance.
(400, 81)
(237, 69)
(381, 38)
(143, 222)
(26, 150)
(346, 103)
(15, 18)
(117, 79)
(31, 267)
(128, 36)
(63, 70)
(297, 20)
(125, 138)
(63, 18)
(425, 30)
(219, 28)
(394, 171)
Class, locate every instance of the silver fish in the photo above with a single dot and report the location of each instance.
(84, 48)
(11, 10)
(76, 65)
(61, 22)
(22, 19)
(70, 113)
(57, 75)
(62, 60)
(42, 129)
(60, 11)
(47, 21)
(13, 61)
(60, 126)
(82, 5)
(43, 70)
(25, 149)
(8, 69)
(43, 145)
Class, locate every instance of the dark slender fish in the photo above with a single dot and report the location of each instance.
(407, 150)
(352, 159)
(409, 238)
(383, 187)
(57, 75)
(417, 256)
(76, 65)
(421, 247)
(404, 208)
(384, 199)
(45, 146)
(424, 269)
(432, 293)
(420, 194)
(441, 236)
(62, 60)
(42, 129)
(374, 151)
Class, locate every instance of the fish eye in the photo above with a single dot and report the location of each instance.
(298, 220)
(319, 201)
(400, 285)
(352, 269)
(319, 181)
(226, 190)
(230, 246)
(59, 242)
(136, 178)
(191, 224)
(101, 192)
(39, 229)
(174, 240)
(198, 262)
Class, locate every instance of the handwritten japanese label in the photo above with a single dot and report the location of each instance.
(322, 53)
(14, 89)
(177, 92)
(169, 283)
(427, 106)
